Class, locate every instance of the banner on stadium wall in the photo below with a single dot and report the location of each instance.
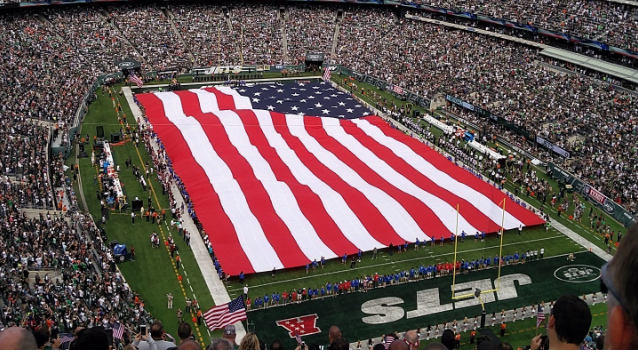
(315, 57)
(491, 117)
(553, 147)
(628, 53)
(9, 5)
(596, 197)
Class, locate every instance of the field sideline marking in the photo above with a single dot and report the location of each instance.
(401, 261)
(407, 282)
(196, 326)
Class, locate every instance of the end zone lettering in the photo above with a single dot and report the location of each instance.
(304, 325)
(386, 310)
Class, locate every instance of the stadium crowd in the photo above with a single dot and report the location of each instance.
(310, 28)
(591, 118)
(605, 21)
(49, 63)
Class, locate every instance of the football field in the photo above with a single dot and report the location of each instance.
(153, 274)
(363, 315)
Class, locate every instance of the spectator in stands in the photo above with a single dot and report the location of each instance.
(447, 339)
(94, 338)
(184, 332)
(334, 333)
(567, 325)
(618, 279)
(340, 344)
(16, 338)
(159, 337)
(249, 342)
(276, 345)
(230, 334)
(220, 344)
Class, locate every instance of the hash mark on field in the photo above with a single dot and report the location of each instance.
(189, 281)
(191, 288)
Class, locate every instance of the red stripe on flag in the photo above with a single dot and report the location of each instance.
(424, 216)
(473, 215)
(259, 202)
(221, 230)
(527, 217)
(224, 101)
(374, 222)
(309, 203)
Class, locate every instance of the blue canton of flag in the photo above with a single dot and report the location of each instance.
(311, 98)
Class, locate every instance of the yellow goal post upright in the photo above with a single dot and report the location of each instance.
(478, 292)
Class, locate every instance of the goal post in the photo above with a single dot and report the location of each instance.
(478, 293)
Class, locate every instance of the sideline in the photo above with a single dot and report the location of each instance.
(200, 252)
(376, 264)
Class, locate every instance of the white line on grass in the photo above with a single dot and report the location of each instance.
(401, 261)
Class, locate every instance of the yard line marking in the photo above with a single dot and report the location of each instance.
(405, 260)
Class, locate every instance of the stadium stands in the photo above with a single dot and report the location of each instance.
(606, 21)
(51, 59)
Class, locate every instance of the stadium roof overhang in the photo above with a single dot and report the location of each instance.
(618, 71)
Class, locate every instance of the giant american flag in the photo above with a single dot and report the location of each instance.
(284, 174)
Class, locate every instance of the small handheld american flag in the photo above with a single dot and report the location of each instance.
(326, 73)
(540, 316)
(133, 78)
(225, 314)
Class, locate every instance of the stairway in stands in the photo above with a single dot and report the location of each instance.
(335, 38)
(282, 17)
(169, 14)
(107, 18)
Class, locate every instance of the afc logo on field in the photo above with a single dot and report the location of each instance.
(304, 325)
(577, 273)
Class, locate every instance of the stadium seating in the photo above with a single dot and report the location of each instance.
(50, 57)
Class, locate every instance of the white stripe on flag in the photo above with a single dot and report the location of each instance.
(334, 205)
(241, 102)
(282, 198)
(441, 208)
(218, 319)
(262, 256)
(480, 201)
(394, 212)
(207, 100)
(333, 202)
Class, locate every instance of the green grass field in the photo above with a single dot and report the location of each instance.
(153, 273)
